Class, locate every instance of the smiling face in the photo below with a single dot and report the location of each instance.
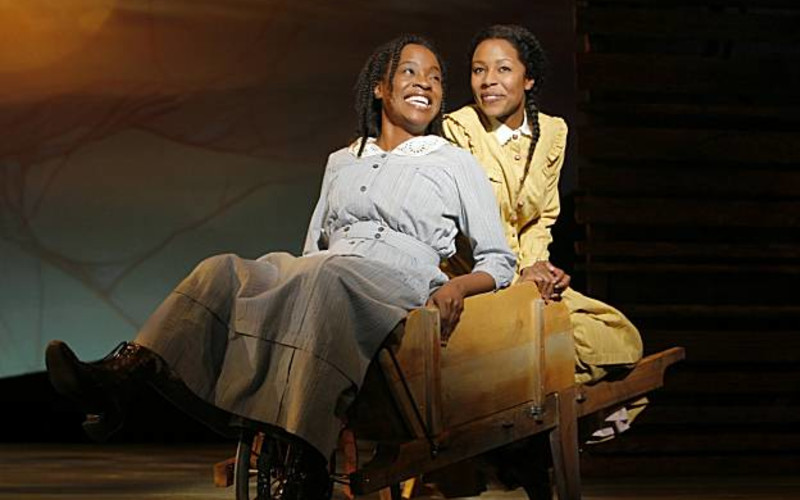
(413, 98)
(499, 82)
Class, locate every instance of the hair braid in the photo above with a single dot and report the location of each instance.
(532, 111)
(382, 64)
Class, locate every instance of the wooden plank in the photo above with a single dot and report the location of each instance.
(729, 346)
(691, 212)
(661, 73)
(647, 376)
(689, 23)
(673, 178)
(223, 472)
(677, 250)
(718, 146)
(564, 447)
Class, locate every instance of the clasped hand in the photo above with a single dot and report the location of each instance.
(551, 280)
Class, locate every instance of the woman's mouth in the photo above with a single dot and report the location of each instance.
(490, 98)
(419, 101)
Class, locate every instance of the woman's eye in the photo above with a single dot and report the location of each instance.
(504, 69)
(477, 71)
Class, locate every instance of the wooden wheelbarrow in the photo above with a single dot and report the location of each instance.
(506, 374)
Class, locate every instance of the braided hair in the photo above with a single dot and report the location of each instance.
(530, 54)
(382, 64)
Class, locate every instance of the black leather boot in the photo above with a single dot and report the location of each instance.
(102, 388)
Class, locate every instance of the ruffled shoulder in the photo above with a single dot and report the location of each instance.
(462, 127)
(553, 135)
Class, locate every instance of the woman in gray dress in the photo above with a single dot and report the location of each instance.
(286, 340)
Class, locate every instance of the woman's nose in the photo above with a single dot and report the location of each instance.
(422, 83)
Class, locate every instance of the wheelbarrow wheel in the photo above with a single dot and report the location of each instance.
(277, 468)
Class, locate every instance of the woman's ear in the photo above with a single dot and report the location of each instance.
(378, 91)
(529, 83)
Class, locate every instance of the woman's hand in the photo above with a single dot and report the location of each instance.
(550, 280)
(449, 299)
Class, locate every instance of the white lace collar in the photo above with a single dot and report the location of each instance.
(416, 146)
(504, 133)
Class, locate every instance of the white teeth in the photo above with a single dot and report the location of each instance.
(492, 98)
(419, 100)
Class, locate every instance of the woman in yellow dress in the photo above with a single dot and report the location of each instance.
(522, 151)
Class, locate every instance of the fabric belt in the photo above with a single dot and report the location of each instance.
(371, 230)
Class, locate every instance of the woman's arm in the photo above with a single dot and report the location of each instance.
(316, 237)
(479, 221)
(536, 237)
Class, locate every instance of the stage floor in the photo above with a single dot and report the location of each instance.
(150, 472)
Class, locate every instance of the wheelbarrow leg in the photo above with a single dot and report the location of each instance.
(564, 448)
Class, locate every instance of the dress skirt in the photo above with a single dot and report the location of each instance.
(282, 340)
(604, 337)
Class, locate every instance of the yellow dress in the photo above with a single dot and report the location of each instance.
(603, 335)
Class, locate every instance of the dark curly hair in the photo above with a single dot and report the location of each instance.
(382, 64)
(530, 54)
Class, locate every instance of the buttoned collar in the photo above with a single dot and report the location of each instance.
(503, 133)
(416, 146)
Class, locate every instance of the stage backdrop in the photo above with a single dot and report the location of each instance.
(138, 137)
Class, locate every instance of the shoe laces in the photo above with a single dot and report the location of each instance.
(123, 350)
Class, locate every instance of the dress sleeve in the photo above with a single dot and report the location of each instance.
(479, 220)
(535, 238)
(316, 236)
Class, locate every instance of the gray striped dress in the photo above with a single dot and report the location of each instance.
(287, 340)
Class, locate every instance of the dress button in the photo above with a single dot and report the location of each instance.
(515, 136)
(352, 242)
(363, 188)
(517, 157)
(375, 166)
(377, 236)
(381, 228)
(383, 155)
(520, 204)
(346, 228)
